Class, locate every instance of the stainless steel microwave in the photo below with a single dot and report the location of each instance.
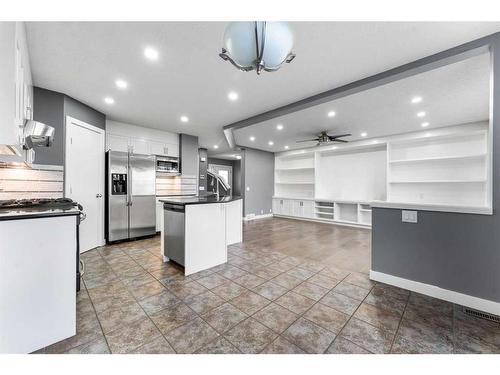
(167, 164)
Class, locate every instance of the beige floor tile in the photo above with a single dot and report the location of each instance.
(232, 273)
(157, 346)
(250, 336)
(191, 336)
(275, 317)
(219, 346)
(158, 302)
(250, 302)
(309, 336)
(228, 290)
(212, 281)
(204, 302)
(184, 290)
(341, 303)
(310, 290)
(250, 281)
(287, 281)
(301, 273)
(323, 281)
(98, 346)
(117, 317)
(147, 290)
(351, 290)
(270, 290)
(295, 302)
(173, 317)
(130, 337)
(282, 346)
(343, 346)
(378, 316)
(224, 317)
(327, 317)
(373, 339)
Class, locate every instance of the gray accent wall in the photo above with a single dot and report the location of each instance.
(48, 107)
(51, 108)
(188, 151)
(236, 164)
(458, 252)
(258, 181)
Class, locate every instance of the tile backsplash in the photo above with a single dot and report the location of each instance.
(38, 182)
(175, 185)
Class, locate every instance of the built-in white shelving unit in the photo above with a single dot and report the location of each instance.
(294, 176)
(448, 167)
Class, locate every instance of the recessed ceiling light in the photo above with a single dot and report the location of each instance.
(151, 54)
(375, 142)
(424, 124)
(334, 147)
(270, 143)
(364, 134)
(184, 119)
(416, 99)
(216, 147)
(252, 138)
(279, 127)
(331, 114)
(238, 157)
(286, 147)
(109, 100)
(421, 114)
(232, 96)
(121, 84)
(428, 134)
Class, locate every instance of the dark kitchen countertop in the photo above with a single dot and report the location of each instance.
(199, 200)
(34, 213)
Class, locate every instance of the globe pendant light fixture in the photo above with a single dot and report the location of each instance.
(258, 45)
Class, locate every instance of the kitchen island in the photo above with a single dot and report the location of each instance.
(198, 230)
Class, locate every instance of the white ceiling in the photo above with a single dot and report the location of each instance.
(83, 60)
(451, 95)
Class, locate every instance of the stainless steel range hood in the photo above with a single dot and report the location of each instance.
(37, 134)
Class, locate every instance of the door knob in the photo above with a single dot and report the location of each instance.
(98, 195)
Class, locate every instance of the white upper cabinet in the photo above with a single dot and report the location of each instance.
(16, 90)
(140, 140)
(116, 143)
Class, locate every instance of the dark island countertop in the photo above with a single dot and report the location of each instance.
(35, 212)
(199, 200)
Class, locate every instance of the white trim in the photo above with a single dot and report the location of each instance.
(71, 120)
(256, 217)
(437, 292)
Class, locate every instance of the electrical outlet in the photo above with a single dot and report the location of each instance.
(409, 216)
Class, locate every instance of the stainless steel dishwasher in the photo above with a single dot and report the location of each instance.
(173, 232)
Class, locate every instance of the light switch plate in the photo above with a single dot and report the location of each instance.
(409, 216)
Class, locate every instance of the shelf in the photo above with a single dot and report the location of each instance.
(443, 158)
(294, 183)
(295, 169)
(439, 182)
(364, 210)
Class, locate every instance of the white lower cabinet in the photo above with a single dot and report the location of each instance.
(293, 207)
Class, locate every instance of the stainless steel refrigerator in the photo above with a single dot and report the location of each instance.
(130, 200)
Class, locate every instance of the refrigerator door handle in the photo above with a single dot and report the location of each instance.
(130, 201)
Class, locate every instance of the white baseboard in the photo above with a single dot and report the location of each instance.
(437, 292)
(256, 217)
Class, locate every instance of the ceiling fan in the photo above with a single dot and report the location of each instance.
(324, 138)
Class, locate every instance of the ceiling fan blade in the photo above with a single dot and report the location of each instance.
(340, 140)
(339, 135)
(308, 140)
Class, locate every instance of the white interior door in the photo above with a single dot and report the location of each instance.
(84, 181)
